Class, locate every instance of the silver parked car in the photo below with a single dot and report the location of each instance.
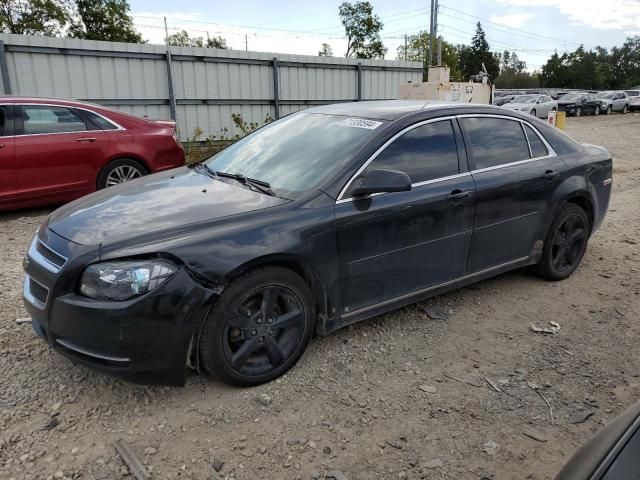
(536, 105)
(634, 100)
(613, 101)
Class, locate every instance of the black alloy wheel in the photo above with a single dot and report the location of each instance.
(566, 243)
(259, 329)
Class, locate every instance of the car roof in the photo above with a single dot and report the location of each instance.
(392, 109)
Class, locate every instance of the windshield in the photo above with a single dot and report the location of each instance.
(604, 95)
(524, 99)
(572, 96)
(294, 153)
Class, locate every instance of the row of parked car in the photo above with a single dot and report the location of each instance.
(573, 103)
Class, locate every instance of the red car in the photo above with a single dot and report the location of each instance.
(54, 151)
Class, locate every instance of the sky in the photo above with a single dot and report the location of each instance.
(534, 29)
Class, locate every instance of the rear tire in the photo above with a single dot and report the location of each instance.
(120, 171)
(565, 244)
(259, 327)
(608, 111)
(578, 112)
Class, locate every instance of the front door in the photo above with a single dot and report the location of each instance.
(515, 175)
(57, 152)
(8, 184)
(394, 244)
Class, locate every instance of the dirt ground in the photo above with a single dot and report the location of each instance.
(354, 403)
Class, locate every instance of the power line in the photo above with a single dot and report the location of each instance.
(512, 28)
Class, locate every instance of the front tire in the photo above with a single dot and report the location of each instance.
(608, 111)
(625, 109)
(578, 112)
(565, 244)
(259, 327)
(597, 111)
(120, 171)
(533, 112)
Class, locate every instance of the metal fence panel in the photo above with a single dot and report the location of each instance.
(209, 84)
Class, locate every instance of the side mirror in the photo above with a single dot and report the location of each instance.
(381, 181)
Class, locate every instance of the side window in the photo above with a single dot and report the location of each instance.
(38, 119)
(101, 122)
(3, 121)
(425, 153)
(538, 148)
(495, 141)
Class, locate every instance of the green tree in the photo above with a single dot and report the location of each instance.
(513, 72)
(182, 39)
(326, 51)
(33, 17)
(362, 28)
(479, 54)
(417, 51)
(104, 20)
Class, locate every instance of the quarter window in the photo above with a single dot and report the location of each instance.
(424, 153)
(495, 141)
(44, 119)
(538, 149)
(101, 122)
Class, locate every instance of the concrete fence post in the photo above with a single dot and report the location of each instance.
(359, 67)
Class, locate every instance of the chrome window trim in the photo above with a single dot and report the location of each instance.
(41, 260)
(115, 124)
(552, 153)
(26, 291)
(433, 287)
(383, 147)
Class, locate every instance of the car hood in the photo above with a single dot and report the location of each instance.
(514, 106)
(154, 204)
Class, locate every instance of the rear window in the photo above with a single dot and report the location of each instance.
(538, 148)
(495, 141)
(100, 122)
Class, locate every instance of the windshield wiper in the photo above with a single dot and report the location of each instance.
(259, 185)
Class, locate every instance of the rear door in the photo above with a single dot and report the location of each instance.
(8, 183)
(58, 152)
(515, 174)
(619, 101)
(394, 244)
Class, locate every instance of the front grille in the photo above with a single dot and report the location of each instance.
(51, 256)
(38, 291)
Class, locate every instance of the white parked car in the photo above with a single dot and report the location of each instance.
(536, 105)
(634, 100)
(613, 101)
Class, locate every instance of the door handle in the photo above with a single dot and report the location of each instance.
(550, 175)
(1, 145)
(458, 194)
(86, 139)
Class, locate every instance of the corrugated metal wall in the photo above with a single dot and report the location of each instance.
(209, 85)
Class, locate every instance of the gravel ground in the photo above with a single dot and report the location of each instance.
(399, 396)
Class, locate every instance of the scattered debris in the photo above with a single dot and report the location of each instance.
(217, 465)
(493, 385)
(434, 313)
(630, 242)
(335, 475)
(555, 328)
(136, 467)
(580, 417)
(538, 437)
(51, 424)
(428, 388)
(21, 321)
(490, 447)
(395, 444)
(264, 399)
(536, 388)
(461, 380)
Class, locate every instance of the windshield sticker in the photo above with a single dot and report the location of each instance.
(361, 123)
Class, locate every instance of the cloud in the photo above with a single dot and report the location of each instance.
(512, 19)
(613, 14)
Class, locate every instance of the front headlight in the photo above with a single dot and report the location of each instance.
(123, 280)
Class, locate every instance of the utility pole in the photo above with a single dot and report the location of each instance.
(405, 47)
(172, 97)
(246, 43)
(430, 33)
(439, 51)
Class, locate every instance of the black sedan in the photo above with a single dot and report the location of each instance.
(321, 219)
(576, 104)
